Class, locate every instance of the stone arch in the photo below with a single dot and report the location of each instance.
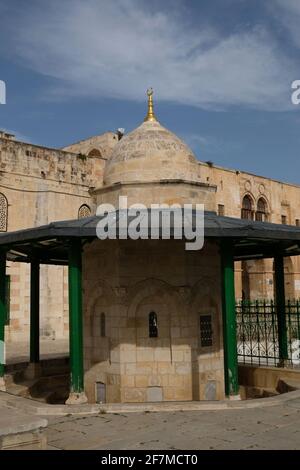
(205, 285)
(3, 212)
(151, 287)
(94, 153)
(155, 356)
(247, 211)
(100, 289)
(101, 301)
(262, 209)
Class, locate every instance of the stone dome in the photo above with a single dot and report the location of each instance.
(150, 153)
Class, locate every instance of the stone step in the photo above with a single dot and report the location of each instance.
(53, 389)
(20, 390)
(288, 385)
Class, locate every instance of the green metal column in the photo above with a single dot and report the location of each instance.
(75, 315)
(2, 309)
(280, 308)
(34, 311)
(229, 320)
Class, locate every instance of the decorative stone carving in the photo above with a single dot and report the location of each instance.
(248, 185)
(120, 292)
(185, 293)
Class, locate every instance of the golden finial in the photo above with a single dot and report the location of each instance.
(150, 115)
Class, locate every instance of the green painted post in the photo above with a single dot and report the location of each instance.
(2, 311)
(229, 320)
(280, 308)
(75, 313)
(34, 311)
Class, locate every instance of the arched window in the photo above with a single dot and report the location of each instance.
(102, 325)
(247, 208)
(153, 330)
(3, 213)
(94, 153)
(84, 211)
(261, 213)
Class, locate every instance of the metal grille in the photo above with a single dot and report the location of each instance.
(247, 214)
(205, 331)
(84, 211)
(3, 213)
(257, 332)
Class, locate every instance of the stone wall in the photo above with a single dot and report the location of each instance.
(42, 185)
(127, 280)
(161, 192)
(282, 199)
(100, 146)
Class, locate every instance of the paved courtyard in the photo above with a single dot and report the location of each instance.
(274, 427)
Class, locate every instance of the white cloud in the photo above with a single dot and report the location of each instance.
(288, 13)
(100, 48)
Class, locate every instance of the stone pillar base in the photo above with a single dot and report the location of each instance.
(33, 371)
(2, 385)
(76, 398)
(234, 397)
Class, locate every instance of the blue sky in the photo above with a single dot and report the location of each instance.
(221, 72)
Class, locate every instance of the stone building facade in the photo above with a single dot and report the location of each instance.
(39, 185)
(125, 286)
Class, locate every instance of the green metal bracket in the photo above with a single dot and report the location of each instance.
(229, 320)
(3, 313)
(75, 312)
(280, 305)
(34, 311)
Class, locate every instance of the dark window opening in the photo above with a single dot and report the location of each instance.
(221, 209)
(94, 153)
(153, 330)
(247, 211)
(206, 332)
(102, 325)
(261, 213)
(297, 222)
(284, 219)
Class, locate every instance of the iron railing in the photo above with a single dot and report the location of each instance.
(257, 332)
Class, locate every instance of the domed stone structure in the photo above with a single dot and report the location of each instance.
(150, 153)
(151, 165)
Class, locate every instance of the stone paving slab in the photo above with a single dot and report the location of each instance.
(273, 427)
(274, 423)
(13, 422)
(21, 431)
